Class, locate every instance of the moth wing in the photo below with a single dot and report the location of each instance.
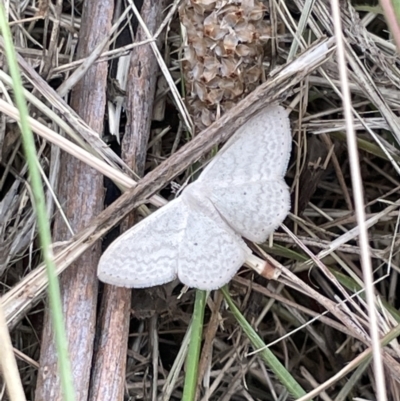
(147, 254)
(260, 149)
(211, 252)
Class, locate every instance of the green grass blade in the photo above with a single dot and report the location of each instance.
(267, 356)
(396, 7)
(40, 208)
(192, 360)
(351, 285)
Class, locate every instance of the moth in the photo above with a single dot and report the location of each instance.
(197, 236)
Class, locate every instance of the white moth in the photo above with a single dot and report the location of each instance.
(196, 237)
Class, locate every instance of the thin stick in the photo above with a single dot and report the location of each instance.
(358, 194)
(9, 364)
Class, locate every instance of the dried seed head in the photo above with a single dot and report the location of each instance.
(223, 53)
